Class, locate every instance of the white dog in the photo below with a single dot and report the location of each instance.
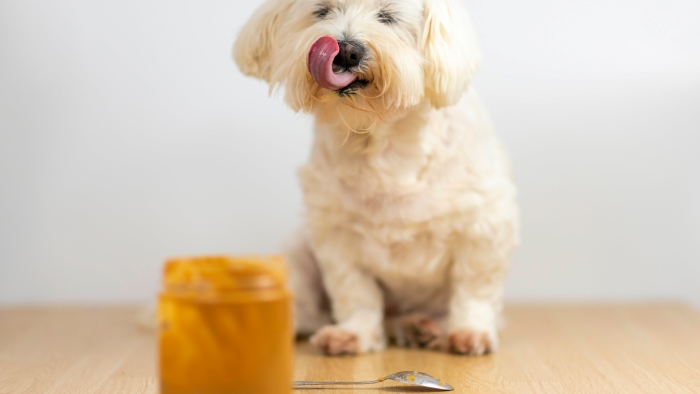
(410, 201)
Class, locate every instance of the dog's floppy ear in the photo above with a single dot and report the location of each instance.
(253, 48)
(450, 49)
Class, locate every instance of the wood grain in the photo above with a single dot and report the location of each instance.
(653, 348)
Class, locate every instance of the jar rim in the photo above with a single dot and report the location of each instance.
(210, 275)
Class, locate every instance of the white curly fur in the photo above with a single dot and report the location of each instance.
(409, 197)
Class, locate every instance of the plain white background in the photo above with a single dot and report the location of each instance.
(127, 135)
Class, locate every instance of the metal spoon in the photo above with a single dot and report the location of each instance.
(413, 378)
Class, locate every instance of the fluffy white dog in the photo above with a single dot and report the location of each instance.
(410, 201)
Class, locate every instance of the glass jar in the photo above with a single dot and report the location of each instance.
(225, 326)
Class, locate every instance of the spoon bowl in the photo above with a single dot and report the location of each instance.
(421, 379)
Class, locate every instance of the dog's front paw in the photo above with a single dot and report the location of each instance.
(334, 341)
(473, 343)
(420, 331)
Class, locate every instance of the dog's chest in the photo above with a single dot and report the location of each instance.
(412, 273)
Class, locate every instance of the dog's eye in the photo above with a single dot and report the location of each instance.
(322, 11)
(387, 17)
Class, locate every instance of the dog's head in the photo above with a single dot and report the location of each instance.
(378, 56)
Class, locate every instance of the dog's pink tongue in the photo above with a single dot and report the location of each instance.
(321, 58)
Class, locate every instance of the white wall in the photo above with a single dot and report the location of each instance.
(127, 135)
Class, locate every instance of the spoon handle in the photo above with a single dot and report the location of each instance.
(302, 383)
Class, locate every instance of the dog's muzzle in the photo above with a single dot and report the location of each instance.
(329, 62)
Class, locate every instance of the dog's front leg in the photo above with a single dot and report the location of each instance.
(356, 300)
(477, 277)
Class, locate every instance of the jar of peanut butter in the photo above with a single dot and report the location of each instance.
(225, 326)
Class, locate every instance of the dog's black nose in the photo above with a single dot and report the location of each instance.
(350, 55)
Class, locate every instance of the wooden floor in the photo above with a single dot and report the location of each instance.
(545, 349)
